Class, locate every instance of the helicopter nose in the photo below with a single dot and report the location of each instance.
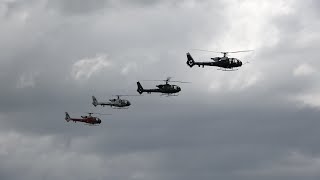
(240, 63)
(128, 103)
(99, 121)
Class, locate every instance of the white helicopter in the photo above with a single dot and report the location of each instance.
(115, 103)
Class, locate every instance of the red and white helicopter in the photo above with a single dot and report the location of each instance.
(90, 120)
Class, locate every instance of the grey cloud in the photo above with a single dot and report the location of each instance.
(76, 7)
(201, 133)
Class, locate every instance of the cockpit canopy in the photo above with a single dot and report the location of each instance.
(175, 87)
(98, 120)
(125, 102)
(234, 60)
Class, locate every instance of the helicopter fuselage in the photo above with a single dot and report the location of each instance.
(112, 102)
(223, 62)
(162, 88)
(117, 103)
(87, 119)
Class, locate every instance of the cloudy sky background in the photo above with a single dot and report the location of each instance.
(260, 122)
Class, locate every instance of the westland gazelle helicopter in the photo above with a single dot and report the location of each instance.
(225, 63)
(117, 103)
(90, 120)
(165, 89)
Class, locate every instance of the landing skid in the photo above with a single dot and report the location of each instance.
(225, 69)
(168, 95)
(91, 125)
(119, 108)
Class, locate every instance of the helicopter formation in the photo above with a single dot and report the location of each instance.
(225, 63)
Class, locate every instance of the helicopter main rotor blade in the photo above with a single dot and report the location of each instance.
(240, 51)
(153, 80)
(98, 113)
(206, 50)
(167, 81)
(102, 114)
(180, 81)
(126, 95)
(223, 52)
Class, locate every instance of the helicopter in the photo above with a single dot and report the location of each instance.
(166, 88)
(225, 63)
(85, 119)
(116, 102)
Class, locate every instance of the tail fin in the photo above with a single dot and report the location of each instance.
(94, 101)
(190, 60)
(67, 117)
(140, 88)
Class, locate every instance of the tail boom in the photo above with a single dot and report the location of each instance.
(191, 62)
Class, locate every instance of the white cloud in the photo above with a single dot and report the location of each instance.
(303, 70)
(85, 68)
(129, 67)
(27, 80)
(236, 80)
(310, 99)
(251, 25)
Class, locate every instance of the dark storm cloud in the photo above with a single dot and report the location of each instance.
(216, 128)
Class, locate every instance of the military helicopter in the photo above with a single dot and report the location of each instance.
(116, 102)
(165, 89)
(225, 63)
(85, 119)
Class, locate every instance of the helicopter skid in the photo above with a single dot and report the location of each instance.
(119, 108)
(224, 69)
(91, 124)
(168, 95)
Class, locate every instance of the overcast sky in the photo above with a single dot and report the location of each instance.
(260, 122)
